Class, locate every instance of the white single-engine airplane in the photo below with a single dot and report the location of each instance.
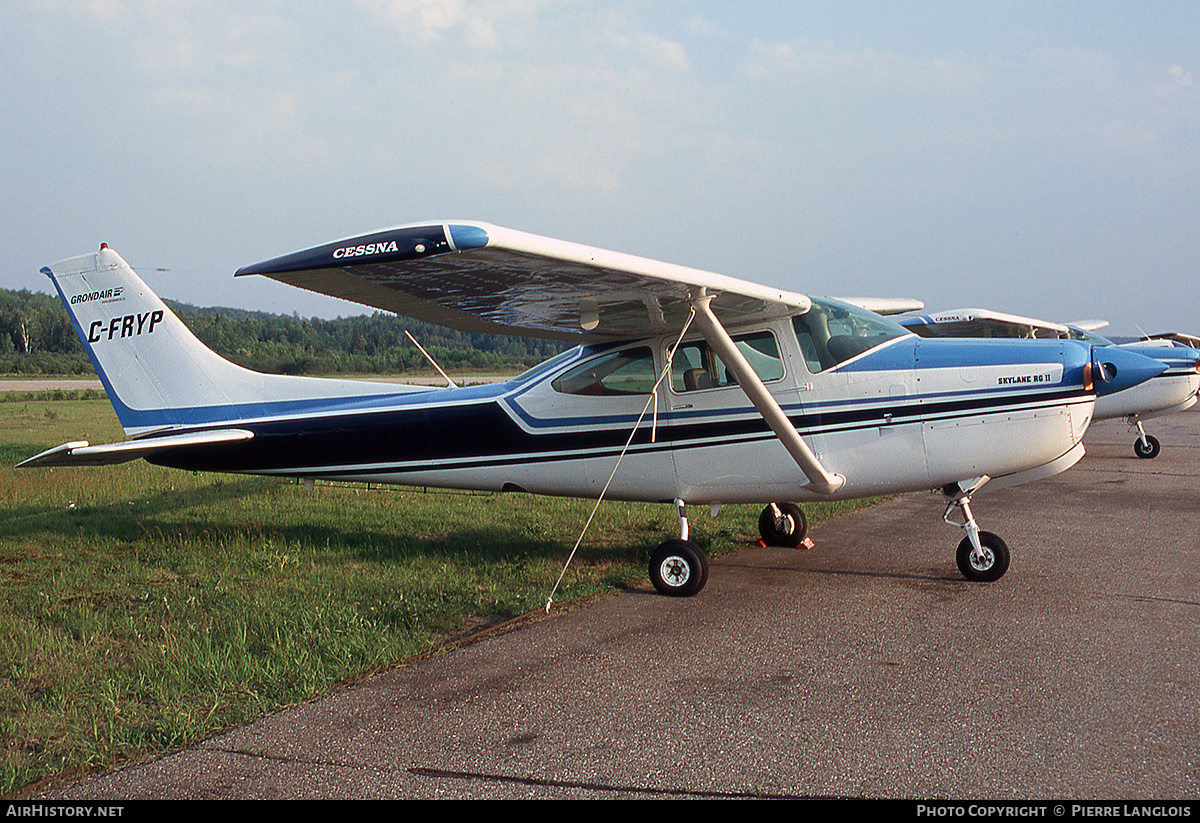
(1173, 338)
(711, 390)
(1174, 390)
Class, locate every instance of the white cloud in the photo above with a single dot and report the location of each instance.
(478, 24)
(809, 62)
(649, 50)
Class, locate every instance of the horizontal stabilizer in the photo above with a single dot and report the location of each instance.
(80, 453)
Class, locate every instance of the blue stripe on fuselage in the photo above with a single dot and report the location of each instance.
(441, 428)
(208, 416)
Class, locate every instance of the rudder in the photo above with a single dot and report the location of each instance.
(156, 372)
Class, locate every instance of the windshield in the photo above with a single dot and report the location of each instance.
(832, 332)
(546, 364)
(1088, 337)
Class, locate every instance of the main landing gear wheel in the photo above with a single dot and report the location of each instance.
(986, 567)
(783, 524)
(678, 568)
(1148, 450)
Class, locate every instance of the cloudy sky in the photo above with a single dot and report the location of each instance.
(1040, 158)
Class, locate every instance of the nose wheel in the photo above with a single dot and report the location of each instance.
(982, 557)
(986, 563)
(1146, 446)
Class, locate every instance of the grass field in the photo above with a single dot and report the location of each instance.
(145, 607)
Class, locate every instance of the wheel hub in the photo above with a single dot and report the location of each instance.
(983, 559)
(675, 571)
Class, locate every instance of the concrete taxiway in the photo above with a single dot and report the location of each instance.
(867, 667)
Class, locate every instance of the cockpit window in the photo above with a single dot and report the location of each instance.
(1088, 337)
(628, 371)
(832, 332)
(695, 366)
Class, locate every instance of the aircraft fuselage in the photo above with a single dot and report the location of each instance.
(909, 414)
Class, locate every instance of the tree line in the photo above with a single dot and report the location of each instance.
(37, 337)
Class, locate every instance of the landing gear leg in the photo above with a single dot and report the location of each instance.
(679, 568)
(981, 556)
(1146, 446)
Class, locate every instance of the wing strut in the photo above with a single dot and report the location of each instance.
(819, 480)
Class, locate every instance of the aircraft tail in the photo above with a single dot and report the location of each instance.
(158, 374)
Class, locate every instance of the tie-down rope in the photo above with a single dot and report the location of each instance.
(651, 400)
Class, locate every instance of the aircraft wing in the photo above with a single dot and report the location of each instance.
(1088, 325)
(485, 278)
(1190, 340)
(81, 453)
(974, 322)
(974, 314)
(885, 305)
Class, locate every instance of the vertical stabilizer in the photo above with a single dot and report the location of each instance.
(156, 372)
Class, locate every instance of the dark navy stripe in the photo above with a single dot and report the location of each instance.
(483, 434)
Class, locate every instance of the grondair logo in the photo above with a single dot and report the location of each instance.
(382, 247)
(88, 297)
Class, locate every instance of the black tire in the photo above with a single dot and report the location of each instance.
(788, 530)
(1149, 450)
(678, 568)
(994, 563)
